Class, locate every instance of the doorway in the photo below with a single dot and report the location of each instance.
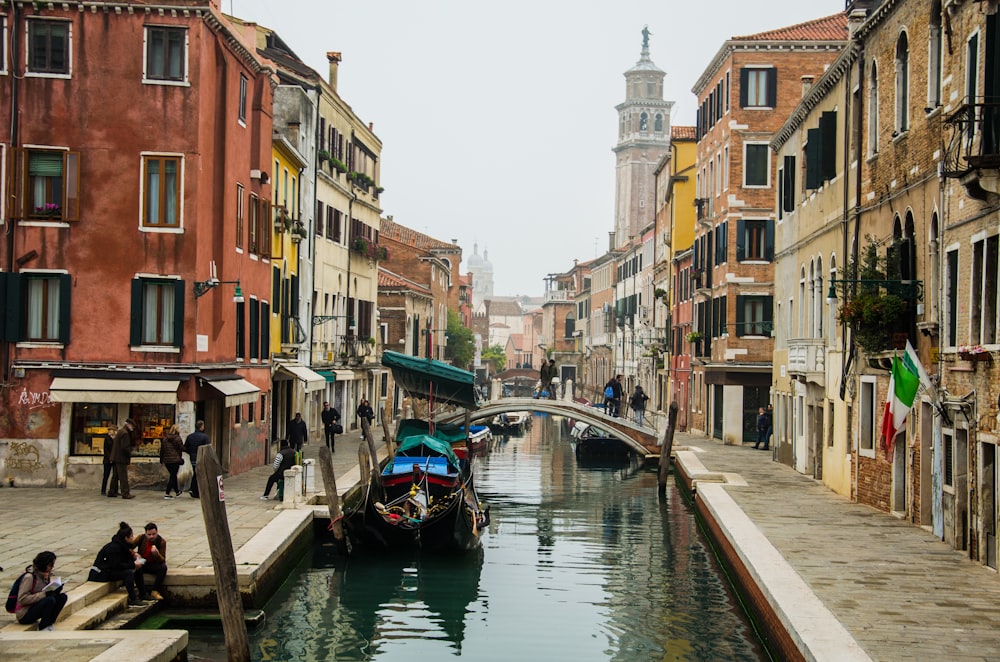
(898, 489)
(717, 410)
(988, 498)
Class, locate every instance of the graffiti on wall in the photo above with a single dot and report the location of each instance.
(22, 456)
(29, 415)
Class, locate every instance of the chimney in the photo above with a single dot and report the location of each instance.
(807, 83)
(334, 58)
(611, 241)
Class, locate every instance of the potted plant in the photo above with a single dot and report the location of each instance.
(338, 165)
(323, 156)
(693, 336)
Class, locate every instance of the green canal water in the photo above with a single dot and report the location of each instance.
(579, 563)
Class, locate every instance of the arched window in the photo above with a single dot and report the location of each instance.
(802, 305)
(658, 123)
(833, 302)
(643, 121)
(811, 291)
(934, 57)
(902, 83)
(873, 111)
(819, 294)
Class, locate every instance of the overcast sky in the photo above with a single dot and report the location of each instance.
(497, 119)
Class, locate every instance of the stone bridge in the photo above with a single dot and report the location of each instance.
(641, 440)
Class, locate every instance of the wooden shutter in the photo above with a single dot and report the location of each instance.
(828, 151)
(179, 313)
(241, 337)
(814, 141)
(254, 329)
(788, 185)
(293, 303)
(772, 87)
(769, 240)
(71, 186)
(135, 314)
(14, 308)
(265, 330)
(741, 246)
(276, 288)
(744, 87)
(768, 314)
(18, 188)
(65, 288)
(740, 315)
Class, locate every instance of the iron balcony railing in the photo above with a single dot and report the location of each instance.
(974, 140)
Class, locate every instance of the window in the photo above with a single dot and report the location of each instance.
(255, 325)
(948, 450)
(240, 207)
(161, 191)
(902, 84)
(166, 54)
(971, 80)
(3, 46)
(951, 299)
(866, 444)
(984, 292)
(934, 57)
(821, 151)
(658, 123)
(51, 185)
(756, 164)
(754, 240)
(758, 87)
(243, 99)
(157, 312)
(36, 305)
(873, 111)
(754, 315)
(786, 183)
(48, 47)
(241, 330)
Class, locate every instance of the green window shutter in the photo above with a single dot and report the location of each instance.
(293, 300)
(744, 84)
(723, 321)
(788, 197)
(135, 323)
(740, 317)
(265, 331)
(814, 138)
(13, 308)
(45, 164)
(828, 150)
(276, 288)
(768, 312)
(65, 289)
(769, 241)
(179, 313)
(254, 329)
(772, 87)
(741, 248)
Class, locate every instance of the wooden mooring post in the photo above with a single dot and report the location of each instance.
(332, 496)
(220, 544)
(390, 447)
(667, 447)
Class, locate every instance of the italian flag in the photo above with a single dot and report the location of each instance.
(903, 386)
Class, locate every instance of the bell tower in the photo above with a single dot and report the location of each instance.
(643, 139)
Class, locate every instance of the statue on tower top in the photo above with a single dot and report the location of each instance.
(645, 37)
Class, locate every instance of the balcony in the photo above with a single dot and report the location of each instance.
(807, 359)
(972, 153)
(704, 210)
(555, 296)
(354, 350)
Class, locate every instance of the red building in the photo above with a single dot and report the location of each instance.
(135, 260)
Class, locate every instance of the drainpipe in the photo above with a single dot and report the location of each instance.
(15, 78)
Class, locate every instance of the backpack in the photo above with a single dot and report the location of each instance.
(11, 605)
(609, 392)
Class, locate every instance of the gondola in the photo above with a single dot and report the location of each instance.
(424, 497)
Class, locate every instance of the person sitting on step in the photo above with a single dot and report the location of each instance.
(152, 547)
(34, 603)
(285, 459)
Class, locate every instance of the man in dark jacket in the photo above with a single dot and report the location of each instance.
(121, 455)
(194, 441)
(284, 460)
(298, 432)
(762, 426)
(330, 416)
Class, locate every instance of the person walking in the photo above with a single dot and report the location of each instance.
(761, 429)
(365, 412)
(153, 548)
(770, 426)
(109, 462)
(117, 561)
(298, 432)
(616, 395)
(638, 404)
(331, 418)
(171, 449)
(194, 441)
(34, 603)
(284, 460)
(547, 373)
(121, 454)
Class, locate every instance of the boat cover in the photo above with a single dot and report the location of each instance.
(422, 445)
(421, 378)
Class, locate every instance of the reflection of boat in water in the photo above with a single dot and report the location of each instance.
(425, 496)
(513, 422)
(594, 444)
(391, 596)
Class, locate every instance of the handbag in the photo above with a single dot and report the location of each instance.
(336, 428)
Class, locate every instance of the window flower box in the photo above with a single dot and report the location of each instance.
(974, 353)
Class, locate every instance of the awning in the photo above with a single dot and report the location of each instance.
(142, 391)
(327, 375)
(344, 375)
(312, 381)
(237, 391)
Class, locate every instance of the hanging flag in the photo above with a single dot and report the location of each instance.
(903, 386)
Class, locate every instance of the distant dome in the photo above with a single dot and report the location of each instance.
(477, 262)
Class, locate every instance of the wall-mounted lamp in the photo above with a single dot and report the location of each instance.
(203, 286)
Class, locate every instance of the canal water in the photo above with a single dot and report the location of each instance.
(579, 563)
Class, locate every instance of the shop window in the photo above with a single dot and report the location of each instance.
(154, 422)
(89, 423)
(166, 54)
(157, 312)
(48, 47)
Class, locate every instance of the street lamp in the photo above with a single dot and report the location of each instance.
(203, 286)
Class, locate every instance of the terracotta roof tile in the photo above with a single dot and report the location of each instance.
(390, 280)
(683, 133)
(411, 237)
(828, 28)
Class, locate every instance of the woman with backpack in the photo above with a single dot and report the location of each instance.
(34, 603)
(118, 561)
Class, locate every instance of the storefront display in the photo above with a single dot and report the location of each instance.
(154, 423)
(90, 423)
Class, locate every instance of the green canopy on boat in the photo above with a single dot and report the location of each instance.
(422, 445)
(449, 432)
(425, 378)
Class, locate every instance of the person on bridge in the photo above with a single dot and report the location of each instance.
(545, 375)
(638, 404)
(613, 396)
